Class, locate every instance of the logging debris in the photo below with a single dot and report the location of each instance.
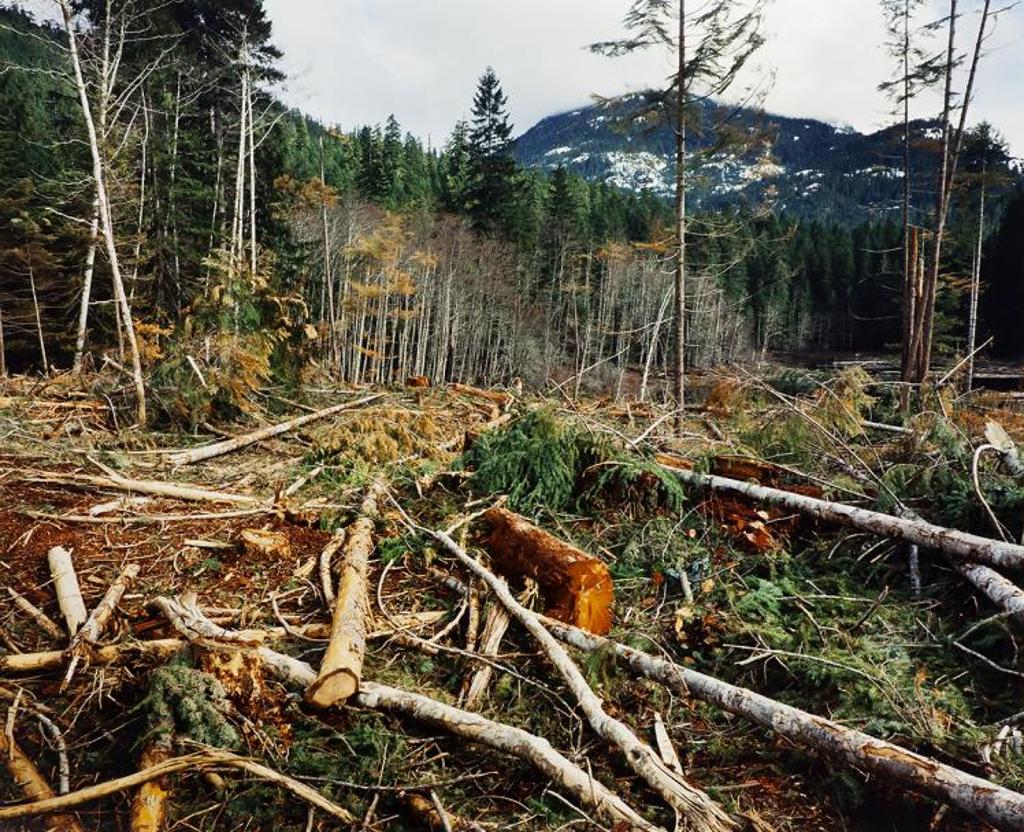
(754, 656)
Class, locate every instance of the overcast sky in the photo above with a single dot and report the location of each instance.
(356, 61)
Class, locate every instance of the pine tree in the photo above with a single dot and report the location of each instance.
(492, 164)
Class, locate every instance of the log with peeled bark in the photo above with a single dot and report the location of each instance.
(229, 445)
(576, 586)
(467, 725)
(700, 812)
(983, 799)
(156, 488)
(69, 594)
(92, 629)
(968, 547)
(33, 785)
(342, 667)
(149, 806)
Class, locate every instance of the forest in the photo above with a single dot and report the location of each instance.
(354, 482)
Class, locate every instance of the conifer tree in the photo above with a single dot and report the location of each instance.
(710, 46)
(493, 167)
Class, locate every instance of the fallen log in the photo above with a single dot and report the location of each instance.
(47, 624)
(1001, 591)
(165, 647)
(69, 594)
(497, 397)
(477, 729)
(495, 627)
(149, 806)
(700, 812)
(577, 783)
(229, 445)
(91, 630)
(968, 547)
(342, 667)
(576, 586)
(980, 798)
(199, 762)
(155, 488)
(109, 654)
(34, 786)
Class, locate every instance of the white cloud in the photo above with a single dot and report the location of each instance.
(827, 54)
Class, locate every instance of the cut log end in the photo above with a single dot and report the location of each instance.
(576, 587)
(334, 688)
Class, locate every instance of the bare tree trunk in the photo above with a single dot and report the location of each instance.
(680, 276)
(39, 319)
(972, 323)
(252, 175)
(106, 220)
(90, 267)
(952, 148)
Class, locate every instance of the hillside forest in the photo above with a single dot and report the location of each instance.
(654, 467)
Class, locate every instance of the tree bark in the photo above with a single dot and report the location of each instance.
(576, 586)
(341, 670)
(983, 799)
(963, 545)
(700, 811)
(69, 594)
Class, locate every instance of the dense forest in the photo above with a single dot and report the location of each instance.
(255, 241)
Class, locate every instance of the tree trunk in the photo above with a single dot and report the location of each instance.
(981, 798)
(341, 670)
(972, 322)
(680, 264)
(106, 219)
(963, 545)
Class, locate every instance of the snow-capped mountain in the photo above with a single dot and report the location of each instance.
(803, 167)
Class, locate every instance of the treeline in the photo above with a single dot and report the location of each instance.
(256, 243)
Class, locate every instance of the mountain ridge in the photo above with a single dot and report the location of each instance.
(803, 167)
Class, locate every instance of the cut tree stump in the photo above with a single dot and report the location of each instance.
(342, 666)
(576, 586)
(263, 544)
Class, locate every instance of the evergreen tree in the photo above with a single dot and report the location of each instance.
(492, 188)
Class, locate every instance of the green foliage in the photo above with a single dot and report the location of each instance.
(188, 703)
(537, 461)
